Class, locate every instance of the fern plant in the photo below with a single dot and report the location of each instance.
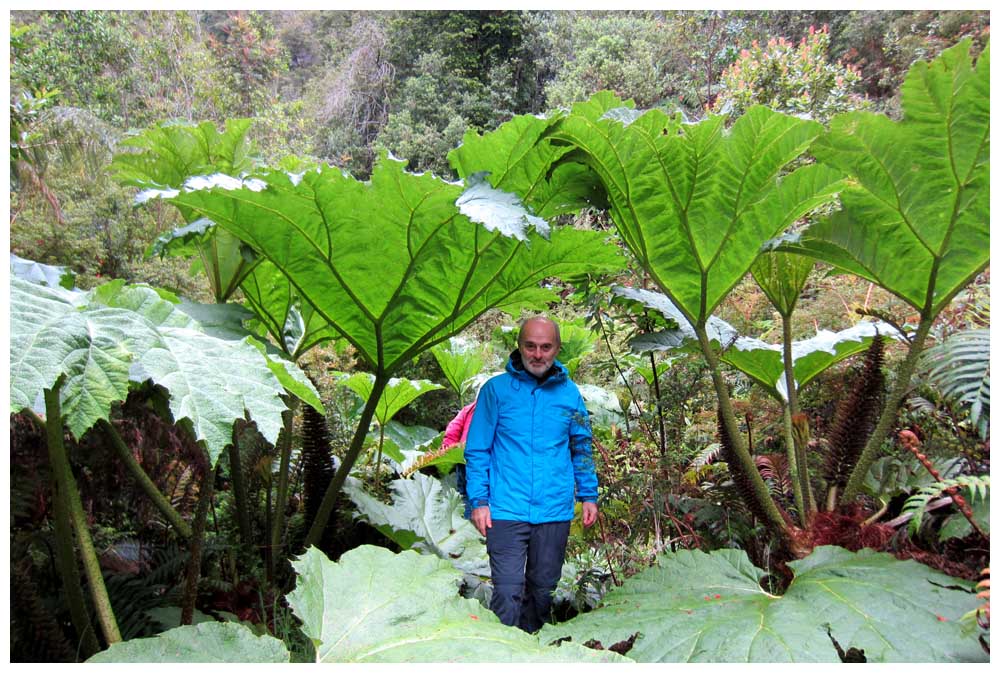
(976, 485)
(959, 367)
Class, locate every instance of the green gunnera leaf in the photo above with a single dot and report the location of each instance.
(392, 264)
(698, 607)
(916, 209)
(693, 202)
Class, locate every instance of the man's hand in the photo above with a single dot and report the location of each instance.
(481, 519)
(589, 514)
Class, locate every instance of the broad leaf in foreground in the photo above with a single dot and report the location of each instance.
(93, 347)
(102, 339)
(392, 264)
(208, 642)
(698, 607)
(374, 606)
(433, 513)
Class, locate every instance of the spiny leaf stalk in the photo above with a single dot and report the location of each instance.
(855, 417)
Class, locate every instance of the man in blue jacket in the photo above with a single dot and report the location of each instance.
(528, 459)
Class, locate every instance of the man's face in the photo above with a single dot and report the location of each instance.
(538, 346)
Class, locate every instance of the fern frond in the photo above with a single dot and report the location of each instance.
(773, 467)
(959, 367)
(703, 473)
(707, 455)
(917, 503)
(432, 458)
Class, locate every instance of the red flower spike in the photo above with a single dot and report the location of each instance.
(941, 619)
(474, 617)
(718, 595)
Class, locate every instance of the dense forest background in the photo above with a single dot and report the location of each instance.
(348, 87)
(342, 86)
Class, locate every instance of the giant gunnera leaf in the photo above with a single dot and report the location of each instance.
(427, 516)
(916, 210)
(396, 265)
(693, 202)
(762, 362)
(205, 643)
(99, 341)
(698, 607)
(374, 606)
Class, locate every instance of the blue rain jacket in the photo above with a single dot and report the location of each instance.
(528, 452)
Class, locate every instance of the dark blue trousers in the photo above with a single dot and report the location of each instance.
(526, 563)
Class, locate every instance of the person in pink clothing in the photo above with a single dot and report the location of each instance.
(458, 428)
(455, 433)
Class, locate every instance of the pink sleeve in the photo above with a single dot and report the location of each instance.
(458, 428)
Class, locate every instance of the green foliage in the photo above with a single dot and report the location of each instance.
(251, 57)
(932, 233)
(209, 642)
(577, 343)
(782, 276)
(398, 393)
(426, 516)
(98, 342)
(292, 323)
(456, 70)
(353, 613)
(694, 606)
(392, 264)
(86, 55)
(704, 176)
(790, 78)
(168, 156)
(977, 489)
(596, 51)
(460, 361)
(960, 367)
(957, 526)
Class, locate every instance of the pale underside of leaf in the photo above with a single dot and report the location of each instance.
(376, 606)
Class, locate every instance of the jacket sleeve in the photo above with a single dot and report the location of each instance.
(580, 446)
(453, 433)
(479, 447)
